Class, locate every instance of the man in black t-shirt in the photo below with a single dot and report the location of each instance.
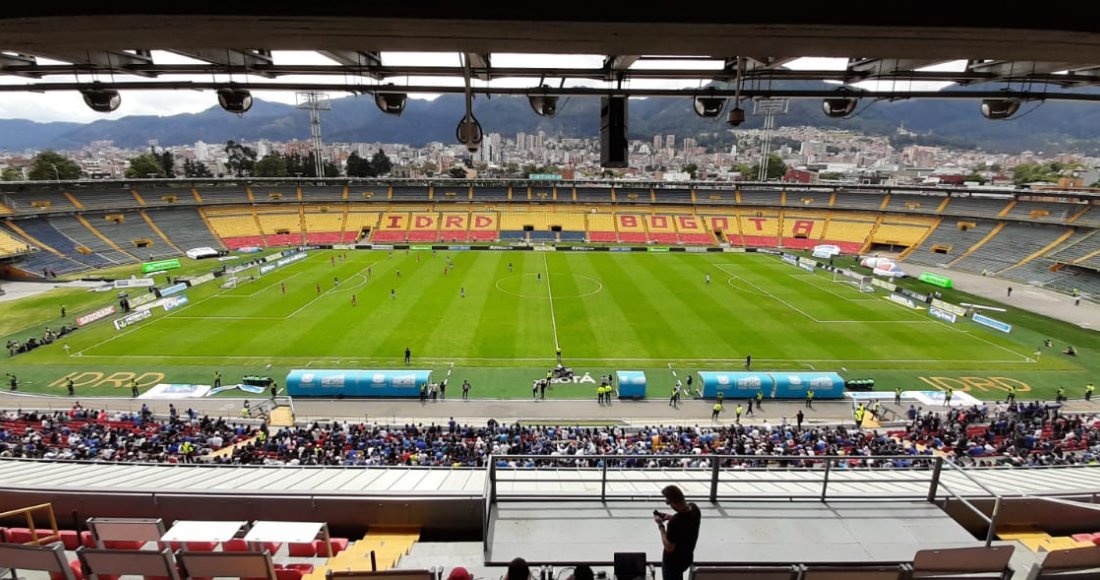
(679, 533)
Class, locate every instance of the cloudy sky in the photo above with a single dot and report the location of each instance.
(69, 105)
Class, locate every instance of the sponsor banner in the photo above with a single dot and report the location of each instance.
(267, 268)
(459, 248)
(135, 283)
(914, 295)
(173, 289)
(147, 305)
(157, 273)
(942, 314)
(543, 248)
(789, 259)
(347, 247)
(96, 315)
(619, 249)
(420, 247)
(500, 247)
(578, 248)
(949, 307)
(660, 249)
(142, 299)
(737, 250)
(174, 302)
(201, 279)
(696, 249)
(807, 267)
(161, 265)
(992, 323)
(175, 391)
(903, 300)
(228, 258)
(131, 318)
(959, 398)
(292, 258)
(936, 280)
(356, 383)
(250, 250)
(794, 385)
(888, 286)
(632, 384)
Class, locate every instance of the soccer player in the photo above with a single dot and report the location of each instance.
(748, 361)
(399, 273)
(708, 278)
(318, 289)
(509, 266)
(217, 379)
(335, 281)
(393, 294)
(408, 355)
(69, 385)
(465, 389)
(282, 286)
(354, 302)
(462, 292)
(538, 277)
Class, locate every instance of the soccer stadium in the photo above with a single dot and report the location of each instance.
(498, 378)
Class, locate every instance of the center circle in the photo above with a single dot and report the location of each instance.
(530, 286)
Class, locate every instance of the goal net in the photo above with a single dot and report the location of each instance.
(230, 282)
(860, 281)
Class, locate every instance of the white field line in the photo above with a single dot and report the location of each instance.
(828, 288)
(440, 362)
(553, 321)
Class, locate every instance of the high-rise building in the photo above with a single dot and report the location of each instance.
(202, 151)
(657, 143)
(521, 141)
(670, 141)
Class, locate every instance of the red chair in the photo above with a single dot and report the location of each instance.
(1083, 537)
(202, 546)
(307, 550)
(174, 546)
(123, 545)
(87, 539)
(338, 545)
(78, 573)
(272, 547)
(70, 538)
(235, 545)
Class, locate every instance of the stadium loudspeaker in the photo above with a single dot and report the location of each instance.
(613, 144)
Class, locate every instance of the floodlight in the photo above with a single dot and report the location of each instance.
(999, 109)
(235, 100)
(543, 104)
(709, 107)
(839, 107)
(736, 116)
(101, 100)
(390, 103)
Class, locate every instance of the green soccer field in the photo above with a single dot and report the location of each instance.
(496, 318)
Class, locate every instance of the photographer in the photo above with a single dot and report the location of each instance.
(679, 533)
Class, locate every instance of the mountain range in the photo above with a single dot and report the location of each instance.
(1049, 126)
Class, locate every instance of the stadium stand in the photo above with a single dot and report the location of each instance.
(672, 196)
(324, 224)
(359, 192)
(864, 200)
(661, 229)
(1089, 219)
(237, 226)
(593, 194)
(912, 203)
(322, 193)
(408, 193)
(543, 194)
(807, 199)
(1014, 243)
(692, 230)
(40, 202)
(759, 227)
(223, 195)
(975, 206)
(279, 226)
(10, 245)
(633, 195)
(601, 227)
(392, 227)
(484, 226)
(631, 228)
(279, 193)
(1082, 244)
(718, 196)
(490, 194)
(185, 227)
(51, 233)
(760, 197)
(951, 239)
(129, 230)
(94, 197)
(449, 193)
(1044, 212)
(423, 227)
(164, 195)
(803, 228)
(357, 223)
(901, 232)
(454, 226)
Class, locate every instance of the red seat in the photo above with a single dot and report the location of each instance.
(235, 545)
(1083, 537)
(78, 573)
(123, 545)
(307, 550)
(201, 546)
(70, 538)
(338, 545)
(174, 546)
(272, 547)
(87, 540)
(23, 535)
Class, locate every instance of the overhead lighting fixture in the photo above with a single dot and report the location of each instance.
(101, 100)
(235, 100)
(999, 109)
(736, 116)
(391, 103)
(709, 107)
(542, 103)
(839, 107)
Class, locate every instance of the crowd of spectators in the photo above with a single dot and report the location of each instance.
(1026, 434)
(48, 336)
(97, 435)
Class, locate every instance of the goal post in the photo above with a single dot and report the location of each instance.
(860, 281)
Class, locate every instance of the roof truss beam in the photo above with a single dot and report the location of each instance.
(13, 63)
(246, 60)
(370, 63)
(137, 62)
(479, 65)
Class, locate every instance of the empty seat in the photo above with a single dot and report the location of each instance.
(855, 572)
(745, 573)
(49, 558)
(1070, 564)
(110, 564)
(306, 550)
(338, 545)
(969, 563)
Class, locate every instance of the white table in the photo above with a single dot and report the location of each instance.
(290, 532)
(202, 531)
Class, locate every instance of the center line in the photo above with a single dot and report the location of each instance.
(553, 321)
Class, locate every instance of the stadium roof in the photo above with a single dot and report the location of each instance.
(1028, 53)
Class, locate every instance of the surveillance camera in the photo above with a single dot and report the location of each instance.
(736, 116)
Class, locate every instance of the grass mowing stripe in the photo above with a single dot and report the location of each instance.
(550, 294)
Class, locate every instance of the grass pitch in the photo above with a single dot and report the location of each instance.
(497, 317)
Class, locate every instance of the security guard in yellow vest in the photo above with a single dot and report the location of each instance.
(1089, 388)
(715, 410)
(860, 412)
